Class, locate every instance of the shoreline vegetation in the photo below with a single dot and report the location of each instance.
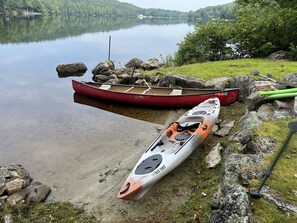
(260, 28)
(200, 180)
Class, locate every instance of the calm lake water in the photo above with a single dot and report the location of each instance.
(42, 128)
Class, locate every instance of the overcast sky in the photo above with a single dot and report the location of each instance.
(180, 5)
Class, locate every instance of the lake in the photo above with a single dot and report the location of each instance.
(65, 144)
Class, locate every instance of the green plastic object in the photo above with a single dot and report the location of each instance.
(290, 90)
(280, 96)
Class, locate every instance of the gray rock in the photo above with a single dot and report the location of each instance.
(182, 81)
(2, 185)
(17, 171)
(248, 124)
(281, 114)
(218, 83)
(73, 69)
(135, 62)
(214, 156)
(232, 197)
(282, 105)
(19, 196)
(234, 208)
(104, 68)
(151, 64)
(290, 79)
(273, 197)
(101, 78)
(266, 111)
(295, 106)
(265, 85)
(38, 194)
(225, 128)
(223, 131)
(265, 145)
(246, 86)
(280, 55)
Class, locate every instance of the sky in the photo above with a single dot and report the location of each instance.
(180, 5)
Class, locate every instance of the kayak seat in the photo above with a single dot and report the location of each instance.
(149, 164)
(182, 136)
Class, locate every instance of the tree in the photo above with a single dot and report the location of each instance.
(207, 42)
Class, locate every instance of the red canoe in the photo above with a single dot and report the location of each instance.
(154, 96)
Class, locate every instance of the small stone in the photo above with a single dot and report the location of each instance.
(214, 156)
(203, 194)
(102, 179)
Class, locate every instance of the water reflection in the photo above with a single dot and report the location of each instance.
(44, 28)
(158, 116)
(61, 143)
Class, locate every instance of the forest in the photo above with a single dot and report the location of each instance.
(226, 12)
(260, 28)
(81, 7)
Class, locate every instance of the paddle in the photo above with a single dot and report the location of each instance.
(256, 193)
(280, 84)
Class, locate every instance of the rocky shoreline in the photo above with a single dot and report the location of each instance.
(242, 157)
(17, 187)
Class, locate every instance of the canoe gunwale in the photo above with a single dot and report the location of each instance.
(207, 90)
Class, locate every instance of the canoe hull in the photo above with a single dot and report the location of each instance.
(170, 149)
(226, 97)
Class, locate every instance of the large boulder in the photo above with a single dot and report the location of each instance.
(134, 63)
(182, 81)
(290, 79)
(219, 82)
(246, 86)
(104, 68)
(73, 69)
(280, 55)
(151, 64)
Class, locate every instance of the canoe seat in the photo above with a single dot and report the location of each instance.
(105, 86)
(129, 89)
(176, 92)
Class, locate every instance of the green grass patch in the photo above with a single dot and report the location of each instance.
(267, 213)
(48, 212)
(210, 70)
(283, 178)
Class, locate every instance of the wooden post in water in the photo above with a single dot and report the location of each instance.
(109, 47)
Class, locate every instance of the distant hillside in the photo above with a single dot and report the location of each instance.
(226, 12)
(82, 8)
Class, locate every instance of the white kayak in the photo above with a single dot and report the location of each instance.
(171, 148)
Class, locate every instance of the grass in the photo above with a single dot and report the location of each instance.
(48, 212)
(209, 70)
(202, 178)
(283, 178)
